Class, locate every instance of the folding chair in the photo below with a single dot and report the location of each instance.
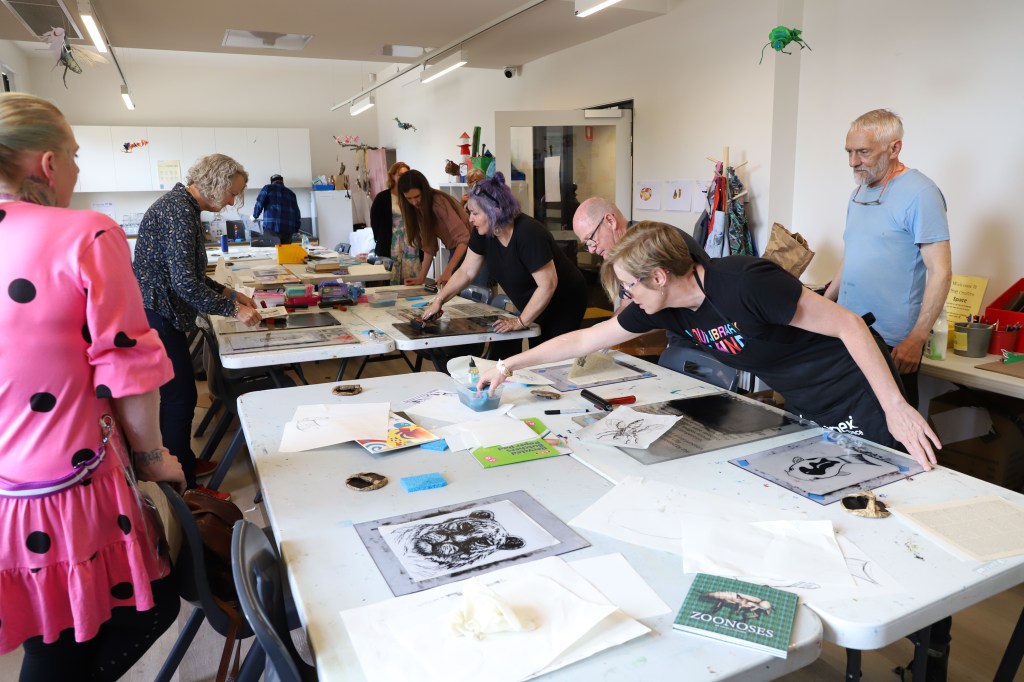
(700, 365)
(261, 587)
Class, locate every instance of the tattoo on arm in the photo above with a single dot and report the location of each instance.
(147, 458)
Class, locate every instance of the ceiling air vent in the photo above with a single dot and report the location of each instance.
(265, 40)
(39, 16)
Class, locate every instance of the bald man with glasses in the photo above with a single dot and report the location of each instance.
(896, 262)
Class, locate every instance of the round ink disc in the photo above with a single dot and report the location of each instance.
(545, 395)
(365, 481)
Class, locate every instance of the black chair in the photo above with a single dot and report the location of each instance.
(194, 587)
(700, 365)
(226, 387)
(475, 292)
(264, 239)
(343, 247)
(262, 589)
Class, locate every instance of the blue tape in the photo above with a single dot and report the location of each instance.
(743, 462)
(815, 497)
(423, 482)
(424, 304)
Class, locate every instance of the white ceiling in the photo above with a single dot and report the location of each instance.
(355, 30)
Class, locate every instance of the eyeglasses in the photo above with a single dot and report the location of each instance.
(478, 190)
(589, 241)
(626, 290)
(874, 202)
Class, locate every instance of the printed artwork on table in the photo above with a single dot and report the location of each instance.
(826, 468)
(425, 549)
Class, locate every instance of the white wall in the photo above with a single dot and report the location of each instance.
(17, 60)
(692, 76)
(951, 70)
(183, 89)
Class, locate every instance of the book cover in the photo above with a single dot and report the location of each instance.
(500, 455)
(402, 433)
(743, 613)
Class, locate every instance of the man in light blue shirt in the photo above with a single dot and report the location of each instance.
(896, 262)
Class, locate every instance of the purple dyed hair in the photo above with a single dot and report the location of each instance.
(493, 198)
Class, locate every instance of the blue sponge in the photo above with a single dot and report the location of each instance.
(439, 445)
(423, 482)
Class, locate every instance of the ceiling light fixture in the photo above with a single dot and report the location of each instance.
(446, 65)
(584, 8)
(91, 25)
(127, 97)
(359, 106)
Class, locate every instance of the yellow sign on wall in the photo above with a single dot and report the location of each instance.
(964, 298)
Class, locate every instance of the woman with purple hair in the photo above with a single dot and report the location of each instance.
(520, 253)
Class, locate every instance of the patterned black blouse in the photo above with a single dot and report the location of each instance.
(170, 262)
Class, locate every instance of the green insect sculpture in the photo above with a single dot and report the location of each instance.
(780, 36)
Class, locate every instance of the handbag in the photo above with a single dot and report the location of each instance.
(789, 250)
(159, 506)
(215, 520)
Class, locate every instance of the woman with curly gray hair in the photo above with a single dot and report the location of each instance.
(170, 265)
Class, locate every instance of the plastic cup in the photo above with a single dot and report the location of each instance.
(479, 401)
(1002, 340)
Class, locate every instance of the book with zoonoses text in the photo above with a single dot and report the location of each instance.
(731, 610)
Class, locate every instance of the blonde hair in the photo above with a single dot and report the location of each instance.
(883, 124)
(646, 247)
(474, 176)
(393, 170)
(27, 123)
(212, 175)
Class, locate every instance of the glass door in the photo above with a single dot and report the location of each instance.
(554, 160)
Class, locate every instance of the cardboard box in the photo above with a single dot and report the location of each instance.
(996, 457)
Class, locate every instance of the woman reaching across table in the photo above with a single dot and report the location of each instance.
(430, 215)
(751, 315)
(522, 256)
(83, 586)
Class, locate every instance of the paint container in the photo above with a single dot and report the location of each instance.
(1002, 339)
(223, 243)
(479, 401)
(971, 339)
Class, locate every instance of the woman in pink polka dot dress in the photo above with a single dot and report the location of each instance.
(84, 583)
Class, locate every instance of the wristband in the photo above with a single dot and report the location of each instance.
(234, 310)
(503, 369)
(231, 298)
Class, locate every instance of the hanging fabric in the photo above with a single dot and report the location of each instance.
(740, 242)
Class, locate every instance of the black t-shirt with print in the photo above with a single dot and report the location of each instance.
(744, 323)
(530, 249)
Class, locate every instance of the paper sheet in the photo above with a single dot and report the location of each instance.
(621, 585)
(869, 579)
(979, 528)
(778, 550)
(382, 661)
(448, 409)
(646, 512)
(558, 616)
(314, 426)
(627, 427)
(458, 367)
(483, 433)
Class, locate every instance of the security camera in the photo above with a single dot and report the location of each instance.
(510, 71)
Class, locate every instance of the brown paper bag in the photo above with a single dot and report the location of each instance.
(789, 250)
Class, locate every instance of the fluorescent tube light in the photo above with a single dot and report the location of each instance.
(584, 8)
(362, 105)
(91, 27)
(127, 97)
(446, 65)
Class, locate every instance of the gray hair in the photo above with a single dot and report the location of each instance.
(27, 123)
(883, 124)
(212, 175)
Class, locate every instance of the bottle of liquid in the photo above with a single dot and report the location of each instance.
(474, 373)
(935, 348)
(305, 242)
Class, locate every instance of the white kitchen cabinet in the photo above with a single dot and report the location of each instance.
(296, 163)
(95, 158)
(164, 146)
(262, 157)
(231, 142)
(195, 144)
(131, 165)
